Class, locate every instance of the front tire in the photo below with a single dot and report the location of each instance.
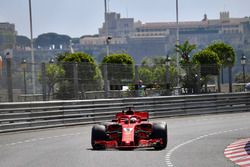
(98, 133)
(159, 131)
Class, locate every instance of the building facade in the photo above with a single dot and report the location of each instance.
(7, 36)
(116, 26)
(159, 39)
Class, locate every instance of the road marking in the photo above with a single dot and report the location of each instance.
(170, 152)
(39, 139)
(239, 152)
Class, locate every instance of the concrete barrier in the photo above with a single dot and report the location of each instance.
(36, 115)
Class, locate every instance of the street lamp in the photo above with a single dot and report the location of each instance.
(108, 40)
(168, 60)
(51, 61)
(177, 42)
(1, 66)
(243, 63)
(24, 67)
(32, 49)
(229, 60)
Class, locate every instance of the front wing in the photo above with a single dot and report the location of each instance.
(141, 144)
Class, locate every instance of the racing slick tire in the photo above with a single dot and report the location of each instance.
(159, 131)
(98, 133)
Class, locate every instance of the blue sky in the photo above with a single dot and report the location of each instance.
(84, 17)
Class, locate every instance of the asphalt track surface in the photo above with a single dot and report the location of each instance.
(194, 141)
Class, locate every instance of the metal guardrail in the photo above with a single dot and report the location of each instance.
(38, 115)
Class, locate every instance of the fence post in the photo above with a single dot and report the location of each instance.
(218, 82)
(136, 73)
(106, 82)
(167, 78)
(199, 80)
(136, 81)
(9, 80)
(1, 67)
(230, 78)
(218, 79)
(44, 82)
(248, 102)
(76, 84)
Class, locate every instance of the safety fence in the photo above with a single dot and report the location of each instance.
(23, 81)
(37, 115)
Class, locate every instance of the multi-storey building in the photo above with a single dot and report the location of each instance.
(116, 26)
(154, 39)
(7, 35)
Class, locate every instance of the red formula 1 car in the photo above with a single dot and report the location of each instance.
(129, 130)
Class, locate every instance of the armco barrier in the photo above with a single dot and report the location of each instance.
(35, 115)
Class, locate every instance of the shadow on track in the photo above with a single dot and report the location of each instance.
(113, 149)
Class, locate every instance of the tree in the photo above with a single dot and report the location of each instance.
(207, 58)
(209, 63)
(48, 40)
(226, 53)
(226, 56)
(54, 74)
(184, 50)
(22, 41)
(121, 58)
(120, 69)
(75, 40)
(88, 74)
(189, 79)
(146, 75)
(153, 72)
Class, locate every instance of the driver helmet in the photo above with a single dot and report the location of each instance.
(133, 120)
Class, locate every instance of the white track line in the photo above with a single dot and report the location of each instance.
(170, 152)
(39, 139)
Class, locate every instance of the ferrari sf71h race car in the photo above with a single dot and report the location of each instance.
(129, 130)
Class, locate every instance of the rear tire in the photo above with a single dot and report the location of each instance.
(98, 133)
(159, 131)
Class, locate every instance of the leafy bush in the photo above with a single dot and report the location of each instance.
(120, 69)
(209, 61)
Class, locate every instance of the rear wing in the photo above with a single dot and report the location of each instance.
(143, 115)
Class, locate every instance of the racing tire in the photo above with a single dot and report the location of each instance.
(98, 133)
(159, 131)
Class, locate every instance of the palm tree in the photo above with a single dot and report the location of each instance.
(184, 50)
